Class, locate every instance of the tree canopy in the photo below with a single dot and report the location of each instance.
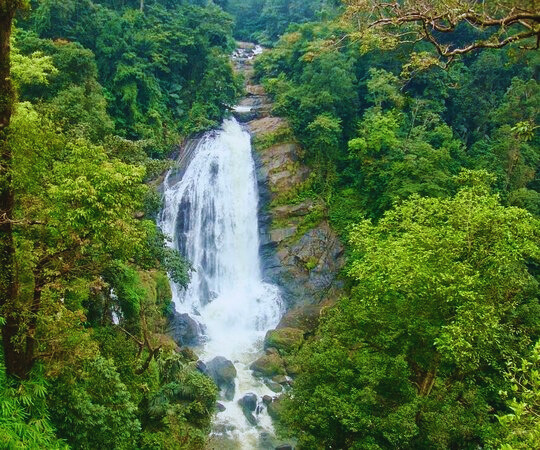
(442, 296)
(474, 25)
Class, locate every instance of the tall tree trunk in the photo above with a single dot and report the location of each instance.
(8, 286)
(27, 358)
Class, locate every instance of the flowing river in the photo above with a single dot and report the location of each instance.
(210, 211)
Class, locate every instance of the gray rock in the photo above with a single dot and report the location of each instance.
(184, 329)
(220, 407)
(309, 268)
(249, 402)
(267, 399)
(299, 209)
(280, 234)
(201, 367)
(223, 372)
(273, 386)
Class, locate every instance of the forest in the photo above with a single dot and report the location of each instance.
(418, 122)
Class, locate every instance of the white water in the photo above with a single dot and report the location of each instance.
(211, 214)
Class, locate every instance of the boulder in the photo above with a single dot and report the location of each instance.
(304, 317)
(273, 386)
(267, 399)
(184, 329)
(268, 365)
(249, 402)
(280, 379)
(275, 408)
(220, 407)
(286, 340)
(223, 372)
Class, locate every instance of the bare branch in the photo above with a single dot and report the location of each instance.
(509, 22)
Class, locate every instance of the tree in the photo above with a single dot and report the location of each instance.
(8, 286)
(521, 429)
(98, 402)
(442, 297)
(491, 24)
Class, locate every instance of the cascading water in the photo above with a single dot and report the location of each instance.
(211, 214)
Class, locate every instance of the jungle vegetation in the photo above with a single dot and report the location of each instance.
(421, 133)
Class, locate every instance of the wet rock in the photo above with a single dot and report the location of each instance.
(252, 107)
(250, 418)
(223, 372)
(280, 234)
(284, 447)
(201, 367)
(267, 399)
(268, 365)
(273, 386)
(281, 379)
(248, 402)
(275, 408)
(184, 329)
(266, 125)
(304, 317)
(286, 340)
(220, 407)
(266, 440)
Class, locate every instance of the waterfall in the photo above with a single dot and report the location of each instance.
(211, 215)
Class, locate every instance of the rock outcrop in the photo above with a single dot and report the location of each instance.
(300, 251)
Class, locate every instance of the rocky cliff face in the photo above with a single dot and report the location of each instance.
(301, 253)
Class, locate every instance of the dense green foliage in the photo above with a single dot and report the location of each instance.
(265, 21)
(415, 357)
(432, 345)
(163, 71)
(383, 129)
(104, 90)
(429, 173)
